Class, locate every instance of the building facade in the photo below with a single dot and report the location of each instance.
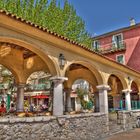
(26, 48)
(122, 46)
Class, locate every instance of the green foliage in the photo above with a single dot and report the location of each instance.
(6, 78)
(81, 92)
(49, 14)
(85, 104)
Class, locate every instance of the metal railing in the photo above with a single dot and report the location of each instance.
(112, 47)
(135, 104)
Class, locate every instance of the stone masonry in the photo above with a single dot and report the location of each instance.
(71, 127)
(128, 119)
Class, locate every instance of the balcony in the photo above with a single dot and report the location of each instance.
(112, 47)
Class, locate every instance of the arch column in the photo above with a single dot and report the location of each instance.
(68, 99)
(103, 98)
(96, 95)
(127, 98)
(58, 95)
(20, 97)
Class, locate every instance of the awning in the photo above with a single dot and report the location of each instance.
(40, 96)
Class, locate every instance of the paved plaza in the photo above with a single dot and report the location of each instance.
(130, 135)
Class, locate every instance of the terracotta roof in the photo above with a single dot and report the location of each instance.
(45, 30)
(117, 31)
(61, 37)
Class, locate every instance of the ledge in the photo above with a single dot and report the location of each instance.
(127, 111)
(82, 115)
(47, 118)
(137, 110)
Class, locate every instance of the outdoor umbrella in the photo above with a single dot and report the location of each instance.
(40, 96)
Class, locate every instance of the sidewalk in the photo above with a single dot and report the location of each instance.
(130, 135)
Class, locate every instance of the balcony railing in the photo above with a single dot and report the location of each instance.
(112, 47)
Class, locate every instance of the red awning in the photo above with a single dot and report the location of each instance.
(40, 96)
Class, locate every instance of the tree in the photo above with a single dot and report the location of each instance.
(62, 20)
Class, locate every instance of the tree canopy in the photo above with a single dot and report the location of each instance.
(50, 14)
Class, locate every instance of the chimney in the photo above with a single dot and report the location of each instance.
(132, 22)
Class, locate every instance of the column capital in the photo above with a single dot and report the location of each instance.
(57, 78)
(126, 90)
(103, 87)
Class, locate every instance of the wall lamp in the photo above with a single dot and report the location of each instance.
(62, 60)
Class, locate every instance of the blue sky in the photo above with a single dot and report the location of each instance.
(106, 15)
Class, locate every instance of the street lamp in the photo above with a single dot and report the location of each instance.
(62, 60)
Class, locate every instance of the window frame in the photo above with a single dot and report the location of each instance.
(123, 58)
(113, 37)
(94, 46)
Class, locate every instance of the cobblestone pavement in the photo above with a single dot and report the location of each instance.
(130, 135)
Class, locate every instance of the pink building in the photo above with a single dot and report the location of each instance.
(122, 45)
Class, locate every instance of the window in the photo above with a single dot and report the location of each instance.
(117, 40)
(120, 59)
(96, 45)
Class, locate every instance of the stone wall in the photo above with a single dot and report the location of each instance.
(70, 127)
(128, 119)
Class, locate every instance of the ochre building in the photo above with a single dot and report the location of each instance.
(26, 48)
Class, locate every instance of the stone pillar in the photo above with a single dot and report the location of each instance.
(127, 98)
(103, 98)
(58, 95)
(20, 98)
(96, 95)
(68, 100)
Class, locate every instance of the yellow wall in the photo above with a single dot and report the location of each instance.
(47, 48)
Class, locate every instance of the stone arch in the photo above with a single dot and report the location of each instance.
(39, 78)
(135, 104)
(49, 61)
(85, 71)
(137, 84)
(94, 74)
(121, 78)
(38, 74)
(115, 95)
(116, 85)
(42, 67)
